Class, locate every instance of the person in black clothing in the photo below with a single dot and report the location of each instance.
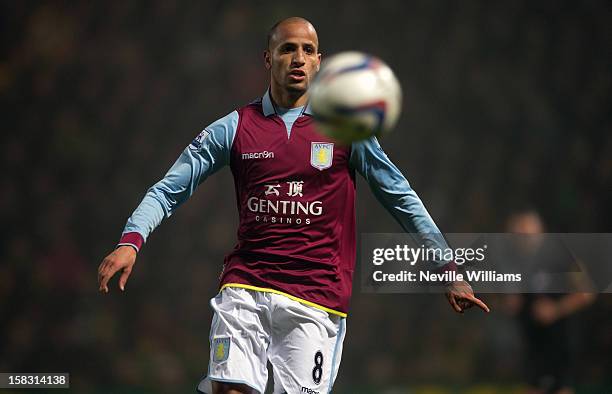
(542, 312)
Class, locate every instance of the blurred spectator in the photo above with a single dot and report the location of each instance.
(543, 315)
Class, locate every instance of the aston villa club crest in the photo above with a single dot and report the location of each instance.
(221, 348)
(321, 155)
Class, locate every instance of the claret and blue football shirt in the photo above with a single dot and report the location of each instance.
(295, 191)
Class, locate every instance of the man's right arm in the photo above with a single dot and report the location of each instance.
(208, 152)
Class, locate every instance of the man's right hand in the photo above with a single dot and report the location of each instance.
(121, 259)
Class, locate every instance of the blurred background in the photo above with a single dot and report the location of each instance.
(506, 104)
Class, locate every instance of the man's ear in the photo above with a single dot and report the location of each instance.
(319, 63)
(267, 60)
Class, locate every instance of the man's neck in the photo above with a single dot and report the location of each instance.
(286, 99)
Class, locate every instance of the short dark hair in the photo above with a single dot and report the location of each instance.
(280, 22)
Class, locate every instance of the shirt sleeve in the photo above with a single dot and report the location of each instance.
(394, 192)
(206, 154)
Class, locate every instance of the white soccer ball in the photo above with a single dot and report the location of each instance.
(355, 96)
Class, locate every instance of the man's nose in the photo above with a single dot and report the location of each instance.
(298, 58)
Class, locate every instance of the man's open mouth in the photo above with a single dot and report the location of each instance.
(297, 75)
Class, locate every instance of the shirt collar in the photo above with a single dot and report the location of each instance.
(268, 107)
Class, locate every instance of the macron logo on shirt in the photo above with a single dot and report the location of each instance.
(258, 155)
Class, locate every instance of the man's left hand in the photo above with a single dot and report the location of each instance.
(461, 297)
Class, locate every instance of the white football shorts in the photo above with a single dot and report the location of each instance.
(250, 328)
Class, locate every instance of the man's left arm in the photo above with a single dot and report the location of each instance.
(394, 192)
